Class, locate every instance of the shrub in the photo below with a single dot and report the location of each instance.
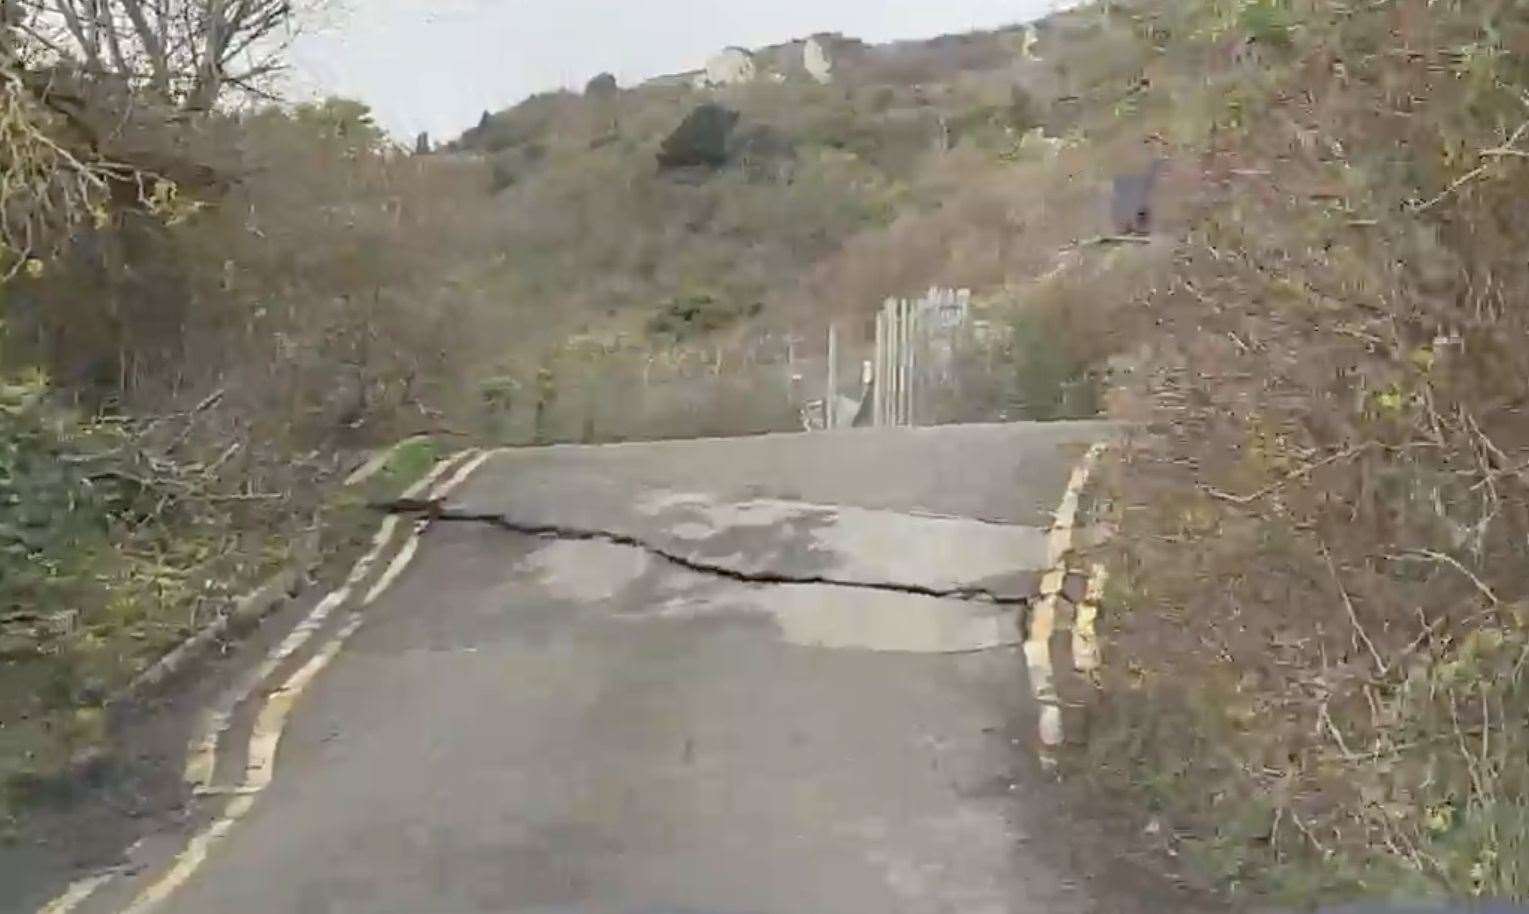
(691, 316)
(602, 86)
(51, 512)
(700, 139)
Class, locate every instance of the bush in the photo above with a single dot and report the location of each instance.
(691, 316)
(1267, 22)
(602, 86)
(51, 513)
(700, 139)
(1329, 485)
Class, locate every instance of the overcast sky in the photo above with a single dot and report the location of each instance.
(436, 65)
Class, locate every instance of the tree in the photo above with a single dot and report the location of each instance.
(55, 179)
(602, 86)
(90, 92)
(184, 52)
(345, 119)
(700, 139)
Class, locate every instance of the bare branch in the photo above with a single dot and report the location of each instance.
(1348, 604)
(85, 31)
(1445, 559)
(1505, 150)
(1278, 484)
(153, 43)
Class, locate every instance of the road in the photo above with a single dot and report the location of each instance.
(748, 704)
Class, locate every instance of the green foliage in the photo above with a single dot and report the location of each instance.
(540, 118)
(998, 126)
(1050, 382)
(690, 316)
(1475, 803)
(345, 120)
(601, 86)
(700, 139)
(499, 392)
(410, 461)
(51, 513)
(1268, 22)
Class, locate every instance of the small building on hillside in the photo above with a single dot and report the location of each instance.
(731, 66)
(817, 58)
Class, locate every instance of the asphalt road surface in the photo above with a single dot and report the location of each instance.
(570, 724)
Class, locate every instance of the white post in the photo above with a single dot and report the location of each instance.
(829, 402)
(904, 357)
(897, 362)
(891, 362)
(891, 401)
(912, 355)
(884, 364)
(914, 328)
(878, 370)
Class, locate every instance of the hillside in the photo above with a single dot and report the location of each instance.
(913, 165)
(1317, 609)
(806, 168)
(1315, 627)
(193, 367)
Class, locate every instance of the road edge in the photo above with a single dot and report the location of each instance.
(203, 748)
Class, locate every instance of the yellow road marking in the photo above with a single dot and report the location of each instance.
(201, 761)
(473, 457)
(201, 757)
(1085, 636)
(461, 475)
(395, 568)
(1042, 620)
(265, 738)
(379, 460)
(189, 859)
(78, 891)
(260, 768)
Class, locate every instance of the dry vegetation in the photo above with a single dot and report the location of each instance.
(213, 315)
(1320, 634)
(1317, 635)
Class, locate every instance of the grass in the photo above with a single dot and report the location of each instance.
(407, 463)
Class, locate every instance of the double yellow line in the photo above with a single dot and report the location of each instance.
(270, 722)
(1043, 614)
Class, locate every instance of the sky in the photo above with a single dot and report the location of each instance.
(437, 65)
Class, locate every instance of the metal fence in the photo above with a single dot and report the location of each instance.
(915, 354)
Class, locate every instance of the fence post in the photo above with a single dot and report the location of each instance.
(891, 402)
(915, 362)
(829, 402)
(900, 312)
(878, 370)
(913, 359)
(897, 363)
(899, 416)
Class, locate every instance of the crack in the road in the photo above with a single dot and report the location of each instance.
(560, 532)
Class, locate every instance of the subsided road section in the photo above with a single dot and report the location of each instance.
(580, 724)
